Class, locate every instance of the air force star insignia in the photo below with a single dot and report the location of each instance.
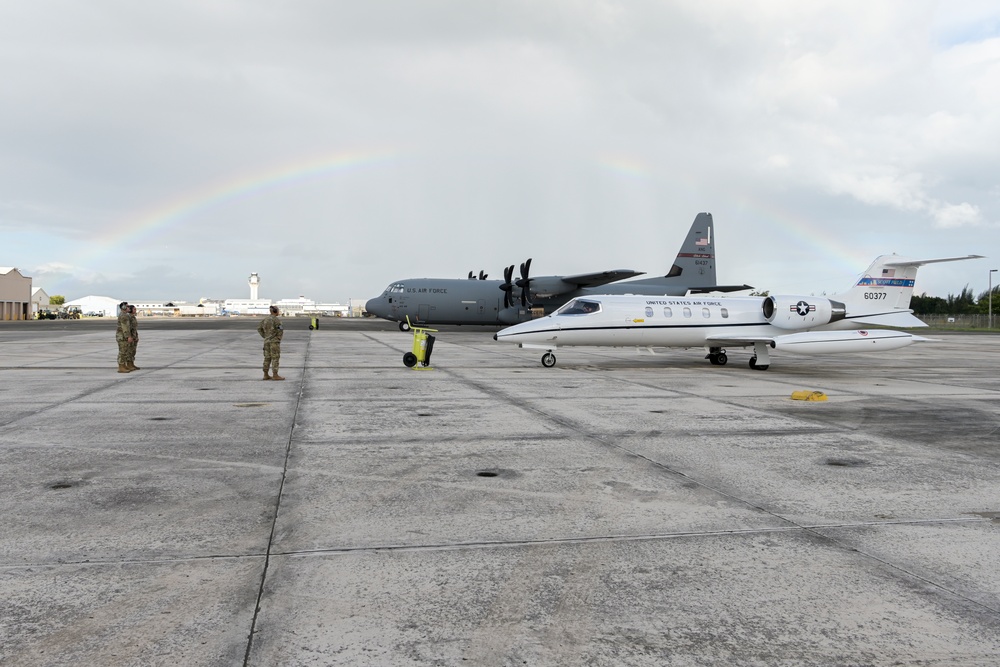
(803, 308)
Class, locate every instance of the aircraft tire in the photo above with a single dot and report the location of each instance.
(721, 359)
(404, 327)
(548, 360)
(753, 362)
(409, 360)
(761, 368)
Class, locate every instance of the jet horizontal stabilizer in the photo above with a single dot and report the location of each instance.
(901, 319)
(719, 288)
(601, 277)
(921, 262)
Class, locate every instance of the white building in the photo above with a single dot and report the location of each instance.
(39, 301)
(198, 309)
(100, 306)
(247, 306)
(308, 307)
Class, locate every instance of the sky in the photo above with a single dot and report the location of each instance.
(166, 150)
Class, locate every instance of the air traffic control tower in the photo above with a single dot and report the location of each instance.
(253, 281)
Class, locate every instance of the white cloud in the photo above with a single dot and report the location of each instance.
(498, 120)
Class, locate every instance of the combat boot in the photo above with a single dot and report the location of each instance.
(122, 368)
(275, 376)
(266, 376)
(132, 367)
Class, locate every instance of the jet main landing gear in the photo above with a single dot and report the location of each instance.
(717, 356)
(760, 359)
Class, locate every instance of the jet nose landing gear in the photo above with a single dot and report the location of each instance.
(548, 360)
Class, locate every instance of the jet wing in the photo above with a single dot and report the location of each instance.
(719, 288)
(601, 278)
(719, 340)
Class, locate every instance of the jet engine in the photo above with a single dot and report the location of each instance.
(802, 312)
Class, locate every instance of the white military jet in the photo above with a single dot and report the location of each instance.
(797, 324)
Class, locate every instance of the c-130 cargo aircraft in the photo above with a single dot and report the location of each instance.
(433, 301)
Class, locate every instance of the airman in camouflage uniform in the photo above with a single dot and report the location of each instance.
(124, 337)
(134, 330)
(270, 330)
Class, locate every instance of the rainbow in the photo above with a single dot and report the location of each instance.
(142, 226)
(783, 225)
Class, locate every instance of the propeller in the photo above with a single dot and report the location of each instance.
(482, 276)
(508, 286)
(470, 276)
(524, 282)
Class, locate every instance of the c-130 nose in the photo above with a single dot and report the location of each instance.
(374, 307)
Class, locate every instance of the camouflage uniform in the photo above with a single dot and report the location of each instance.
(131, 347)
(271, 331)
(121, 335)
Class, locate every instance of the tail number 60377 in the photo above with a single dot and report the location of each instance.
(874, 295)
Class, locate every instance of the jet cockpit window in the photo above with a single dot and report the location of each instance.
(580, 307)
(395, 288)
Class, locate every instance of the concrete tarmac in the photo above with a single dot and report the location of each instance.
(618, 509)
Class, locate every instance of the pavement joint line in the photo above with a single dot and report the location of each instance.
(32, 365)
(910, 573)
(568, 424)
(487, 544)
(277, 504)
(107, 385)
(649, 537)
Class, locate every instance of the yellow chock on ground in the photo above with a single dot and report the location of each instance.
(807, 395)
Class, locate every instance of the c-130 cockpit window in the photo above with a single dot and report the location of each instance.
(395, 288)
(580, 307)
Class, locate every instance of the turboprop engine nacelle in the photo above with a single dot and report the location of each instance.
(802, 312)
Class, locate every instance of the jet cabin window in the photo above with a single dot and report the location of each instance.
(580, 307)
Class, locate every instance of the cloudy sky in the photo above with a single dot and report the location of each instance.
(165, 150)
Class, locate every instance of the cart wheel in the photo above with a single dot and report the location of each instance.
(409, 360)
(310, 327)
(548, 360)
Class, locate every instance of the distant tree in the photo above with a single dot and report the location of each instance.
(760, 293)
(963, 304)
(57, 300)
(983, 302)
(928, 305)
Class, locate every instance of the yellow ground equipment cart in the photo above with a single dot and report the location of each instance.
(313, 323)
(423, 344)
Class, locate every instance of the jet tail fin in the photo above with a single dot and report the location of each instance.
(885, 288)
